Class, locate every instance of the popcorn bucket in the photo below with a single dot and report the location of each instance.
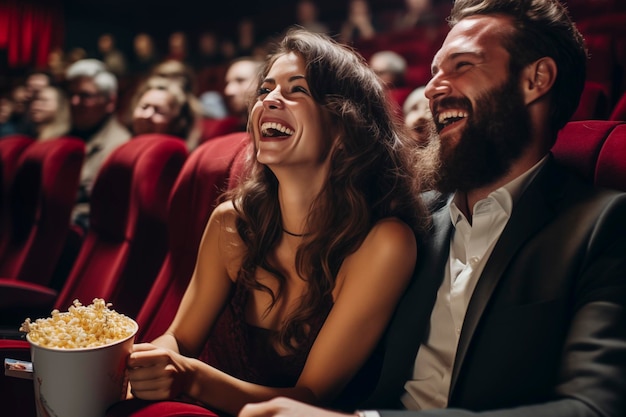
(80, 382)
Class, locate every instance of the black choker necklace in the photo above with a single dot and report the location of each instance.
(293, 234)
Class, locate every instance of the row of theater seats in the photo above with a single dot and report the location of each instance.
(149, 209)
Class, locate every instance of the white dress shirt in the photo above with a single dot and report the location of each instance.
(470, 248)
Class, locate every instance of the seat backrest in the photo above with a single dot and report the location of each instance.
(213, 128)
(593, 104)
(42, 196)
(595, 149)
(127, 238)
(619, 110)
(209, 170)
(11, 147)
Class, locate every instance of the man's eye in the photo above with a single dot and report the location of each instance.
(462, 64)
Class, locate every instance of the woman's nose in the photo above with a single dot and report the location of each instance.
(274, 99)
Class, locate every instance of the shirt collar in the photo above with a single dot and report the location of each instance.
(504, 196)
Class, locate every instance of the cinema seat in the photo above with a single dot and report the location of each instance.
(41, 198)
(127, 239)
(11, 147)
(211, 168)
(596, 150)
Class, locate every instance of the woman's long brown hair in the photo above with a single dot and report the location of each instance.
(373, 175)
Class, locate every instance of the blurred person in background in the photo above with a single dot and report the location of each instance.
(33, 83)
(145, 56)
(358, 25)
(112, 57)
(7, 126)
(177, 47)
(390, 67)
(49, 113)
(241, 81)
(93, 100)
(161, 106)
(208, 54)
(185, 76)
(307, 17)
(415, 13)
(418, 117)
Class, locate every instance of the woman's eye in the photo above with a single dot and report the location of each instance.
(263, 90)
(299, 89)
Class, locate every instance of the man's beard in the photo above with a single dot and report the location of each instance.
(496, 133)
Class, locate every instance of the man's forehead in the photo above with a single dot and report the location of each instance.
(474, 35)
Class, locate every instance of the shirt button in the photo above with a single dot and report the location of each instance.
(474, 260)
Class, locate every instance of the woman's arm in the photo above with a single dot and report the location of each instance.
(201, 304)
(369, 284)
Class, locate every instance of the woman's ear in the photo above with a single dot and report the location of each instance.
(538, 79)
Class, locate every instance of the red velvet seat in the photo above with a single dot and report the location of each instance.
(123, 249)
(593, 103)
(212, 128)
(596, 149)
(127, 238)
(619, 110)
(11, 147)
(42, 196)
(209, 170)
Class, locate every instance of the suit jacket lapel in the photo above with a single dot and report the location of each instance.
(533, 209)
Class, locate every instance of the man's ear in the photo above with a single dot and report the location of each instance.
(538, 79)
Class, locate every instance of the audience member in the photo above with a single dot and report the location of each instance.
(228, 49)
(7, 126)
(307, 17)
(145, 56)
(112, 57)
(49, 113)
(415, 12)
(208, 54)
(293, 288)
(19, 95)
(34, 82)
(177, 71)
(161, 106)
(417, 116)
(518, 307)
(177, 48)
(76, 54)
(246, 38)
(241, 82)
(358, 24)
(185, 76)
(93, 94)
(390, 67)
(57, 65)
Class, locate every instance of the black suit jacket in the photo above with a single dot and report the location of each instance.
(545, 330)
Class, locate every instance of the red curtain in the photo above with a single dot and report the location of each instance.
(29, 30)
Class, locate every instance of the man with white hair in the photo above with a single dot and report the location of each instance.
(390, 67)
(93, 95)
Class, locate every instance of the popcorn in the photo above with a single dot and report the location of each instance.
(80, 327)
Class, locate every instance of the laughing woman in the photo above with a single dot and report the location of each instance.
(300, 269)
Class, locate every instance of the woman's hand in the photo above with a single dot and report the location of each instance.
(156, 373)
